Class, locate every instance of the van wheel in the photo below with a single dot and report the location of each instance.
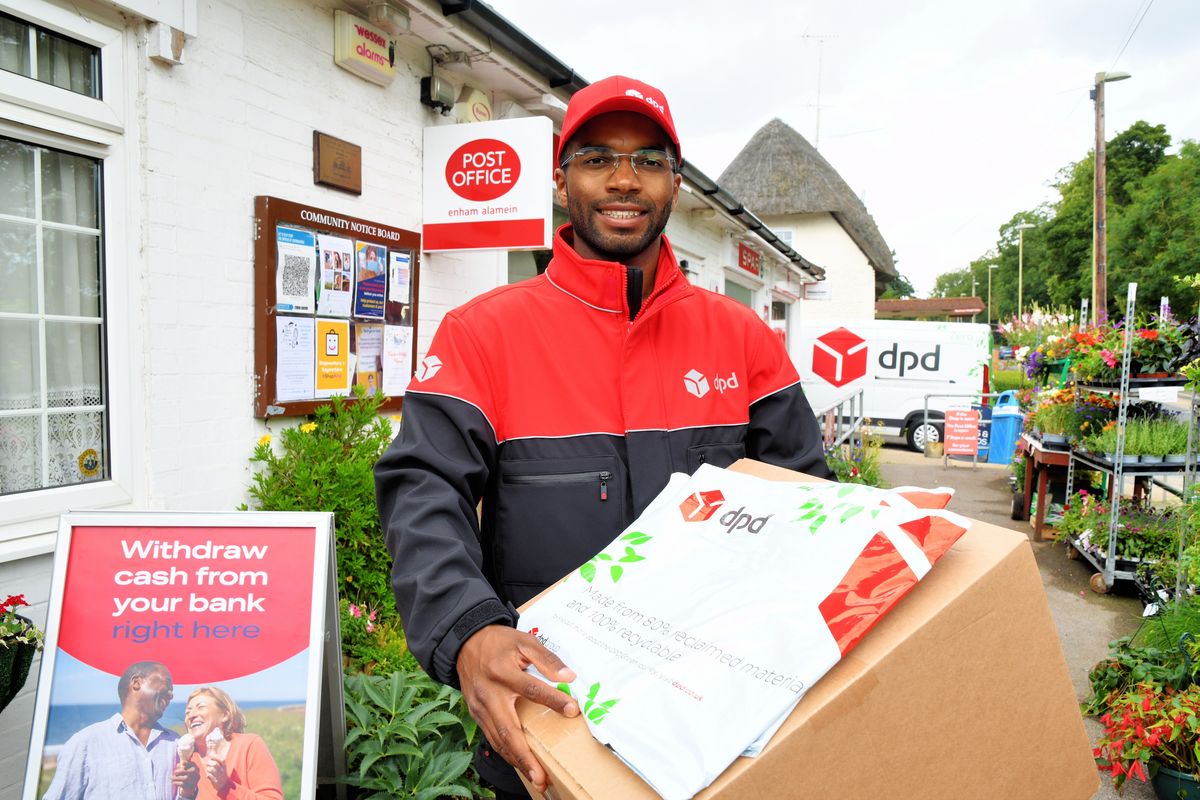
(921, 432)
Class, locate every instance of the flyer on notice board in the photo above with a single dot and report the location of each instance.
(333, 357)
(370, 281)
(368, 364)
(294, 353)
(296, 270)
(336, 288)
(397, 359)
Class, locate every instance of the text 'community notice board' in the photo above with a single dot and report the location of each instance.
(240, 602)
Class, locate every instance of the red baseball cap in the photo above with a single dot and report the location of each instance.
(617, 93)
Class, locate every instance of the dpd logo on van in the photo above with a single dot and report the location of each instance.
(701, 505)
(840, 356)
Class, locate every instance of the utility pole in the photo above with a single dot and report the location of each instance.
(1099, 229)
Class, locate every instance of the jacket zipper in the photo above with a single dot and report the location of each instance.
(604, 476)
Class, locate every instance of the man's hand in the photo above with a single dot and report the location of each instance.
(491, 670)
(186, 778)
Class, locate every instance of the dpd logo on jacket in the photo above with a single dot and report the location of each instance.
(840, 356)
(428, 368)
(701, 505)
(697, 384)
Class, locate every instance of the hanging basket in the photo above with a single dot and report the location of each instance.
(1169, 783)
(15, 660)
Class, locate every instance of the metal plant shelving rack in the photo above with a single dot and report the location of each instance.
(1110, 568)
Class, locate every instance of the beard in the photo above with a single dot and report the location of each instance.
(616, 246)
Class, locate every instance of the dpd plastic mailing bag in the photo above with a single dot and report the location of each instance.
(698, 629)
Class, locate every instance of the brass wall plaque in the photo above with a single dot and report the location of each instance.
(337, 163)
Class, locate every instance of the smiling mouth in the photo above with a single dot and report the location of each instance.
(615, 214)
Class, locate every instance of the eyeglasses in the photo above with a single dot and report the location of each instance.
(602, 161)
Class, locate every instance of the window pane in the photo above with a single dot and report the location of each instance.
(778, 310)
(69, 189)
(18, 268)
(73, 364)
(67, 64)
(740, 293)
(76, 448)
(71, 262)
(19, 383)
(16, 176)
(14, 46)
(20, 454)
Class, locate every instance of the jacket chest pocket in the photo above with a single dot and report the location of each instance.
(552, 516)
(719, 455)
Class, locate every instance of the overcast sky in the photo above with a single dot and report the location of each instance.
(945, 116)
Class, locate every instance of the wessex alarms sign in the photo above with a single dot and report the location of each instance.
(485, 185)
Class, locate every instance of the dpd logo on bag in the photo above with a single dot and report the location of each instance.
(840, 356)
(701, 505)
(739, 520)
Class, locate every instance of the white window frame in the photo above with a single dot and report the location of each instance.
(49, 116)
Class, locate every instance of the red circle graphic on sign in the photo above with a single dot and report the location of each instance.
(211, 603)
(483, 170)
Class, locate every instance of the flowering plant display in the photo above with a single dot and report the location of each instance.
(857, 461)
(15, 629)
(1157, 345)
(1034, 326)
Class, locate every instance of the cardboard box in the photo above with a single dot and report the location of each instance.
(962, 691)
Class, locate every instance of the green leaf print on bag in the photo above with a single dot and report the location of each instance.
(593, 710)
(615, 570)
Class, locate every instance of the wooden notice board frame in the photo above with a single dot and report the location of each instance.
(269, 214)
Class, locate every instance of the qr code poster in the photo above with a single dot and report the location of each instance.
(295, 270)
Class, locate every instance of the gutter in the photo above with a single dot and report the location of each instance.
(560, 76)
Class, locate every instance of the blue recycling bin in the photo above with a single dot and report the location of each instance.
(1007, 422)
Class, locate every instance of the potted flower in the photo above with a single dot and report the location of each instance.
(1156, 350)
(1152, 733)
(19, 640)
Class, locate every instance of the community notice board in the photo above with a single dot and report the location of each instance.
(335, 300)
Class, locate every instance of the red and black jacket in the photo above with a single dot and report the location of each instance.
(564, 403)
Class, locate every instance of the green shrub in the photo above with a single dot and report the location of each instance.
(409, 737)
(326, 465)
(373, 642)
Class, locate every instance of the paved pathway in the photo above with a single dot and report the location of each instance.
(1086, 621)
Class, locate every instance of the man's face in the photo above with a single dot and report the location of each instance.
(153, 694)
(617, 215)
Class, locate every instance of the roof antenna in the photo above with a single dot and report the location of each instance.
(820, 53)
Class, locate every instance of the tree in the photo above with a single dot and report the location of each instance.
(898, 289)
(952, 284)
(1132, 155)
(1156, 237)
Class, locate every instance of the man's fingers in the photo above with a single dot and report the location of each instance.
(548, 696)
(510, 743)
(546, 662)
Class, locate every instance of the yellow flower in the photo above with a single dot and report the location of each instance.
(264, 439)
(308, 427)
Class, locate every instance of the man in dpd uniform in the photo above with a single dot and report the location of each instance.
(564, 403)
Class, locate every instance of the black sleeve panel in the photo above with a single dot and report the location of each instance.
(428, 485)
(784, 432)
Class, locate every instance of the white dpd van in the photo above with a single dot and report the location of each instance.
(896, 363)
